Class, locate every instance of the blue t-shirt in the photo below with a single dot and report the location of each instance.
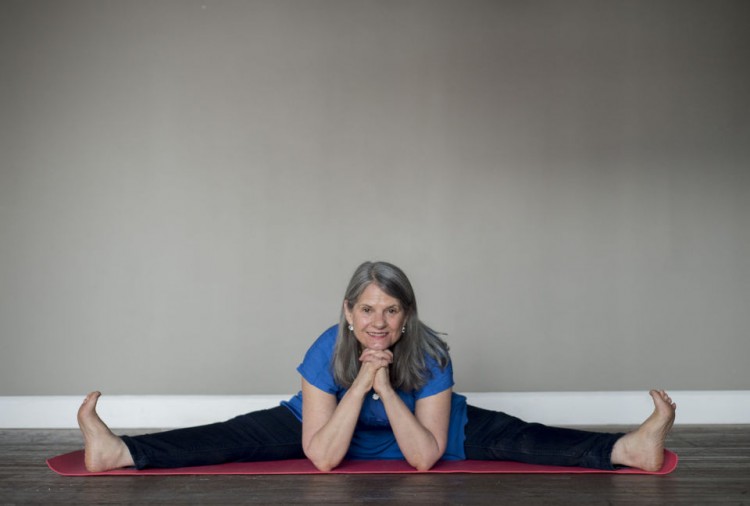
(373, 437)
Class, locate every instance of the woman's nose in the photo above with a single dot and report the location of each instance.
(379, 320)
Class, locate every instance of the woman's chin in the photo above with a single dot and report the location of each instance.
(378, 343)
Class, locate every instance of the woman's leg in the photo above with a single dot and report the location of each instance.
(271, 434)
(493, 435)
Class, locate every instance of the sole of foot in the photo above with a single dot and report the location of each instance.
(644, 447)
(103, 450)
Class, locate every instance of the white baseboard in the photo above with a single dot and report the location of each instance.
(555, 408)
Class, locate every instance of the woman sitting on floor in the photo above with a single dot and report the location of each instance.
(377, 386)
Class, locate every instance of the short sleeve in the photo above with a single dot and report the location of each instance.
(442, 379)
(316, 366)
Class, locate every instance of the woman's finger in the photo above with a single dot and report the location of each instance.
(369, 354)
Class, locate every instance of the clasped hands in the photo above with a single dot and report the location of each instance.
(373, 375)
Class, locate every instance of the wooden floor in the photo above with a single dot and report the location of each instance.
(714, 469)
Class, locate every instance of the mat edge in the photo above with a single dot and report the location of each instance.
(673, 458)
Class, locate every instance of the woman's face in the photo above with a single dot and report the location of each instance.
(377, 318)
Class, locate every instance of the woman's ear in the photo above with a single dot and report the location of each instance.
(348, 312)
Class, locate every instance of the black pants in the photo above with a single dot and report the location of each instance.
(493, 435)
(270, 434)
(276, 434)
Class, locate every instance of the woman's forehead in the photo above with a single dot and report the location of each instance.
(373, 295)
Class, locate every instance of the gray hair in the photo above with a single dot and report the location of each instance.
(409, 371)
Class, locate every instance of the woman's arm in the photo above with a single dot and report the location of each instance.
(423, 435)
(328, 425)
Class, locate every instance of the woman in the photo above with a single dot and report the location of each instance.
(377, 386)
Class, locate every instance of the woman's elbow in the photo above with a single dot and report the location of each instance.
(324, 466)
(424, 463)
(424, 466)
(323, 463)
(427, 460)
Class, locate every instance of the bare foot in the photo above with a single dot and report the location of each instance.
(644, 447)
(104, 450)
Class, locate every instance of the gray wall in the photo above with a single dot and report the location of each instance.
(186, 187)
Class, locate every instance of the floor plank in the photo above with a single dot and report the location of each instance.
(714, 469)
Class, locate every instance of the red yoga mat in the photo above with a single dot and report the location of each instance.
(71, 464)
